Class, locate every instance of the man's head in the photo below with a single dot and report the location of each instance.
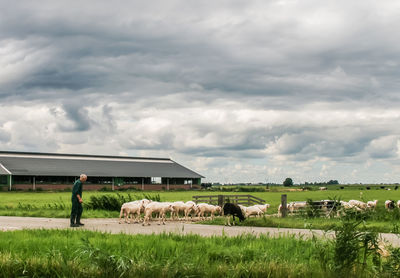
(83, 178)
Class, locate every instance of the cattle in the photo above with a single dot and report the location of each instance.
(234, 210)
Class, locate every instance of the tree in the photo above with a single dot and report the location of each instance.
(288, 182)
(333, 182)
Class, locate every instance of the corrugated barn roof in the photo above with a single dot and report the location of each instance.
(48, 164)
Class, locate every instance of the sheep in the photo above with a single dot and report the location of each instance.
(177, 207)
(253, 210)
(348, 205)
(389, 204)
(280, 209)
(126, 211)
(323, 188)
(243, 209)
(234, 210)
(263, 208)
(156, 207)
(135, 210)
(372, 204)
(204, 208)
(358, 204)
(398, 203)
(190, 207)
(294, 206)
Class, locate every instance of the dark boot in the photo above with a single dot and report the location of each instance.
(72, 219)
(78, 221)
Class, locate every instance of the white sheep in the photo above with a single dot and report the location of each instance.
(263, 208)
(156, 207)
(358, 204)
(217, 210)
(295, 206)
(280, 208)
(372, 204)
(177, 207)
(243, 209)
(253, 210)
(126, 209)
(203, 209)
(191, 208)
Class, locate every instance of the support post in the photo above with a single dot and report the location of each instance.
(284, 205)
(167, 183)
(9, 179)
(34, 183)
(142, 183)
(221, 200)
(112, 185)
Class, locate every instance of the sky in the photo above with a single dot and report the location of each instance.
(238, 91)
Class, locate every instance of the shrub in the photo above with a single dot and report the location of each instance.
(115, 201)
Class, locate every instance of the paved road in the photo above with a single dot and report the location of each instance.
(111, 225)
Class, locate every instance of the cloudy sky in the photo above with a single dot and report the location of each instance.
(239, 91)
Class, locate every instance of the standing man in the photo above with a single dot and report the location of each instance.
(77, 201)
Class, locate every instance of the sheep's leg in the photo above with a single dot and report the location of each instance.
(120, 215)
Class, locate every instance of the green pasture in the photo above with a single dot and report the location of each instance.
(51, 199)
(58, 204)
(71, 253)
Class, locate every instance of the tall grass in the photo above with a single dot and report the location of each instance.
(68, 253)
(44, 253)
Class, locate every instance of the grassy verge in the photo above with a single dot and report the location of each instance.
(308, 223)
(67, 253)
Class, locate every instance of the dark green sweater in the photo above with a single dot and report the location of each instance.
(77, 189)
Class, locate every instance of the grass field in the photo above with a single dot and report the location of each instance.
(57, 204)
(68, 253)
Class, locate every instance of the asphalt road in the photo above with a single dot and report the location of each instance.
(111, 225)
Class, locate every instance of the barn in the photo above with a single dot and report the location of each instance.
(52, 171)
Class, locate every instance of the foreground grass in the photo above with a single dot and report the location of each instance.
(325, 224)
(68, 253)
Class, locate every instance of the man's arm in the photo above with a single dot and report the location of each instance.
(79, 198)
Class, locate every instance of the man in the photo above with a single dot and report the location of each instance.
(77, 201)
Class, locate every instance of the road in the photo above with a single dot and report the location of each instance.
(111, 225)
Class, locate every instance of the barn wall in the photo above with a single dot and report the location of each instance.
(26, 187)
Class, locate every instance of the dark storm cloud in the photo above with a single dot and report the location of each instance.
(111, 55)
(78, 115)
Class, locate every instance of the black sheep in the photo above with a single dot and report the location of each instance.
(234, 210)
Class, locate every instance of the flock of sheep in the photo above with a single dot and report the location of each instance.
(179, 210)
(352, 204)
(132, 211)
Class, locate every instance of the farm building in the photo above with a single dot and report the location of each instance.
(50, 171)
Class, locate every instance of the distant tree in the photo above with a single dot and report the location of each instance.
(288, 182)
(333, 182)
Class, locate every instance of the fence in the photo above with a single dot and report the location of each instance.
(316, 208)
(246, 200)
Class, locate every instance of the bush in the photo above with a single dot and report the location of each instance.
(114, 202)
